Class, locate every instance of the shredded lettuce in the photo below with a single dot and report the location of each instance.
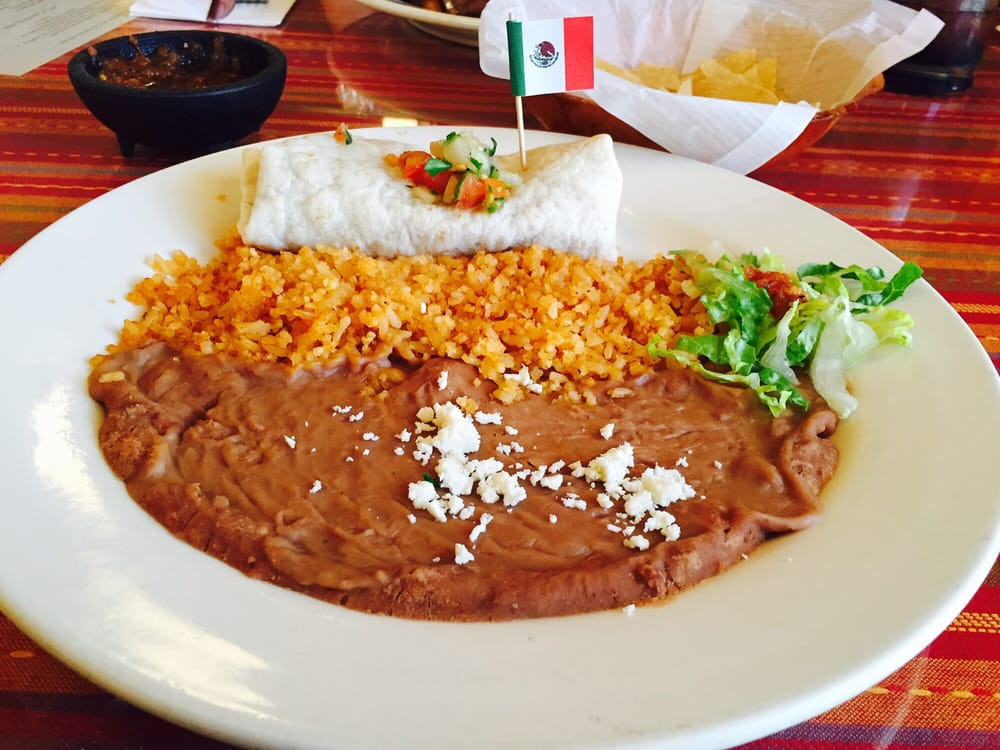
(840, 316)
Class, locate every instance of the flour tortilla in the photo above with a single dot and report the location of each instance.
(314, 191)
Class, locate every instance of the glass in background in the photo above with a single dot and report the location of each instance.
(948, 64)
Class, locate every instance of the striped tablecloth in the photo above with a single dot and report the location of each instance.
(921, 176)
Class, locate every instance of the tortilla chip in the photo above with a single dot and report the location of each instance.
(739, 76)
(616, 70)
(739, 62)
(713, 78)
(767, 68)
(665, 77)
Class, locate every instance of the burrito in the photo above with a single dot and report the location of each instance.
(318, 190)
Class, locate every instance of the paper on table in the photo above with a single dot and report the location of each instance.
(827, 52)
(33, 32)
(270, 13)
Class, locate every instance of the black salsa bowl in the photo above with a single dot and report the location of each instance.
(206, 115)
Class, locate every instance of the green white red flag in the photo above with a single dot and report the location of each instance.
(551, 55)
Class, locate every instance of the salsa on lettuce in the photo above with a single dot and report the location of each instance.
(824, 319)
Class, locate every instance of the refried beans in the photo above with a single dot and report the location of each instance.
(300, 477)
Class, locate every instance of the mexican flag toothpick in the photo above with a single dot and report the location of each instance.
(548, 56)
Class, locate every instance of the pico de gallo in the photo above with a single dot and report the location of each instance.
(457, 171)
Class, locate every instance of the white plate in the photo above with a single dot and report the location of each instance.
(461, 29)
(811, 619)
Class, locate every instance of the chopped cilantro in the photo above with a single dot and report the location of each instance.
(434, 166)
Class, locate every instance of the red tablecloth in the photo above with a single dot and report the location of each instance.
(921, 176)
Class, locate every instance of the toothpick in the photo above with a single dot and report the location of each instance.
(519, 111)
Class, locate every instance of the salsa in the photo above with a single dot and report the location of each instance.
(166, 68)
(457, 171)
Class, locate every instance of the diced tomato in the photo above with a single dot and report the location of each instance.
(471, 192)
(342, 134)
(779, 286)
(412, 165)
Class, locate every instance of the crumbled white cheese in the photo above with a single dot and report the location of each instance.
(316, 487)
(442, 380)
(404, 436)
(411, 518)
(455, 504)
(665, 523)
(456, 432)
(523, 378)
(608, 430)
(682, 461)
(451, 430)
(611, 468)
(423, 451)
(501, 486)
(479, 528)
(453, 471)
(537, 474)
(356, 417)
(665, 485)
(425, 497)
(346, 409)
(398, 450)
(637, 542)
(370, 437)
(462, 555)
(717, 464)
(639, 504)
(480, 468)
(551, 481)
(511, 447)
(290, 439)
(510, 430)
